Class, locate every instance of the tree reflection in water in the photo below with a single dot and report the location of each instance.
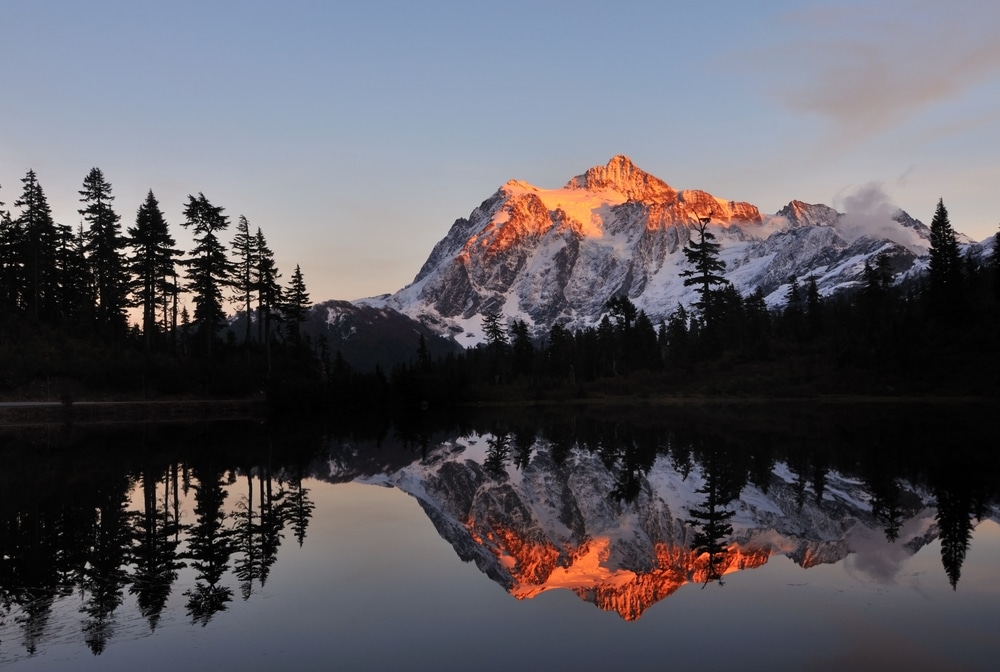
(99, 512)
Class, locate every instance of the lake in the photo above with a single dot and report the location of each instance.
(778, 535)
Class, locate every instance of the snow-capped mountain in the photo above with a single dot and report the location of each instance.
(557, 255)
(557, 524)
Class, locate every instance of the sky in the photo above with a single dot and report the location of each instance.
(355, 133)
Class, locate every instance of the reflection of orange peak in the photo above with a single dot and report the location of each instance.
(538, 566)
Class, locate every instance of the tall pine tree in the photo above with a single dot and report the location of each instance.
(295, 306)
(208, 268)
(152, 264)
(703, 256)
(945, 268)
(245, 246)
(35, 240)
(104, 245)
(266, 285)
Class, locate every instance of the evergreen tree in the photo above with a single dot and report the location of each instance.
(814, 308)
(75, 302)
(266, 285)
(104, 245)
(703, 256)
(209, 269)
(945, 267)
(496, 335)
(522, 347)
(295, 306)
(245, 247)
(35, 236)
(9, 263)
(153, 266)
(623, 310)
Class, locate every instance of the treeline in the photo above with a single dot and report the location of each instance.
(926, 335)
(65, 297)
(72, 523)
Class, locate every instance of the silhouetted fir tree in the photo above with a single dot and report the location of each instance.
(758, 323)
(208, 268)
(152, 264)
(104, 576)
(497, 453)
(295, 306)
(944, 271)
(423, 354)
(246, 530)
(523, 350)
(954, 518)
(677, 336)
(814, 309)
(266, 285)
(703, 256)
(210, 546)
(606, 363)
(493, 330)
(710, 520)
(154, 551)
(644, 347)
(35, 237)
(74, 281)
(9, 262)
(497, 344)
(300, 507)
(524, 444)
(793, 309)
(244, 283)
(559, 352)
(104, 248)
(623, 310)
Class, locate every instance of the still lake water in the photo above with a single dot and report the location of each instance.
(714, 537)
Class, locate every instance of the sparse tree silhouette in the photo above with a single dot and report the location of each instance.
(208, 268)
(703, 257)
(152, 264)
(295, 306)
(244, 281)
(104, 247)
(945, 266)
(34, 236)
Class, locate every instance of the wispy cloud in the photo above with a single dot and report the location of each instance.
(868, 211)
(869, 68)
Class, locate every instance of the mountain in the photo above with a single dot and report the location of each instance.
(557, 255)
(557, 522)
(366, 336)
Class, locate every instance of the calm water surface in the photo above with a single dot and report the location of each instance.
(569, 540)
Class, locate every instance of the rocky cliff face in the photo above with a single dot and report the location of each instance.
(557, 255)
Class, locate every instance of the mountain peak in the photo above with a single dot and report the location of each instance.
(623, 176)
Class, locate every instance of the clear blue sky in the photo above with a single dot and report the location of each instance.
(355, 133)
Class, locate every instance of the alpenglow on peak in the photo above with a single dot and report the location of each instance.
(623, 176)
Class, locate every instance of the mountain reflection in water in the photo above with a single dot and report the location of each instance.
(622, 507)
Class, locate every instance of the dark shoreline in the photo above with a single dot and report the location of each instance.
(27, 413)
